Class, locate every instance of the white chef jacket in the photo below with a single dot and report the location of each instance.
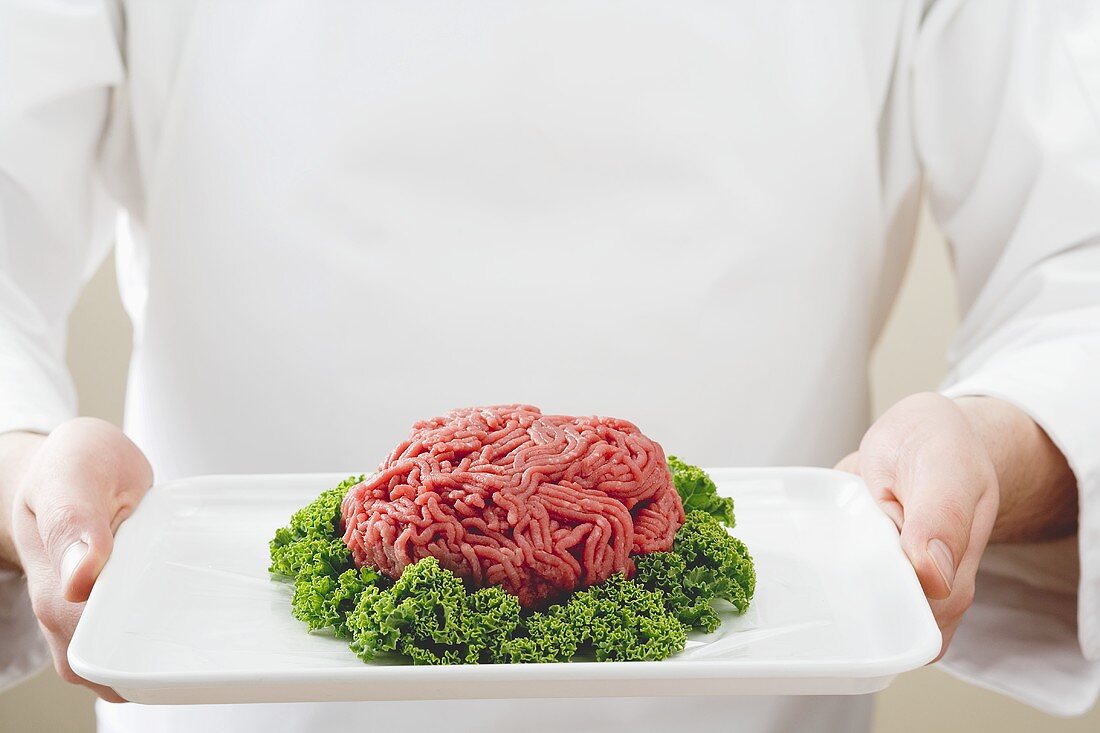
(345, 216)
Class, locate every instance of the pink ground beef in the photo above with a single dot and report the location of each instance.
(504, 495)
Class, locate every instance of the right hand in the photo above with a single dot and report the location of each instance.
(74, 489)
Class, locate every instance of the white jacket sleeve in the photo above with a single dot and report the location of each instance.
(58, 65)
(1006, 99)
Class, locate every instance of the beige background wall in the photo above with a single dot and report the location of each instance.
(909, 358)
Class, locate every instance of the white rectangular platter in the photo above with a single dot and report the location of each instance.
(185, 611)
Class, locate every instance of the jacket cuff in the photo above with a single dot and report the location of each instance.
(23, 650)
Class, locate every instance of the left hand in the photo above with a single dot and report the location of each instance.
(933, 476)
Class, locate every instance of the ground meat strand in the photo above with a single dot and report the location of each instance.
(504, 495)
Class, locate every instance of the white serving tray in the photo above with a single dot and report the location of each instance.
(185, 611)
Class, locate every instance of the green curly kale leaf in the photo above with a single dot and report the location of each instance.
(309, 551)
(321, 517)
(617, 620)
(665, 572)
(552, 635)
(698, 491)
(623, 621)
(492, 617)
(706, 563)
(291, 557)
(429, 617)
(313, 536)
(323, 599)
(424, 607)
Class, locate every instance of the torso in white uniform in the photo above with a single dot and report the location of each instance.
(347, 216)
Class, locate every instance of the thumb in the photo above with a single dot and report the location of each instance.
(76, 532)
(935, 532)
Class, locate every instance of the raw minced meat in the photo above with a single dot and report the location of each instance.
(504, 495)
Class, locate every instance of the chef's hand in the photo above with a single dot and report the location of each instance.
(67, 493)
(940, 468)
(931, 474)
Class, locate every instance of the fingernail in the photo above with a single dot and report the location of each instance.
(70, 561)
(941, 556)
